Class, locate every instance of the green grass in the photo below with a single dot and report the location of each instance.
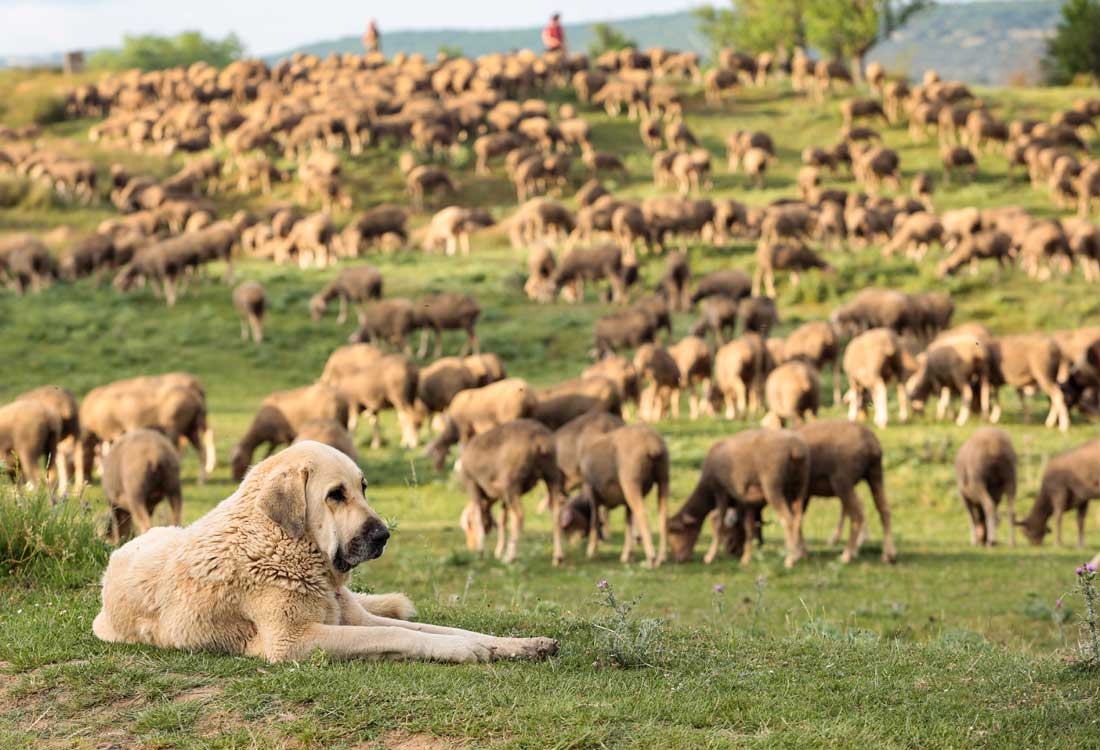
(951, 647)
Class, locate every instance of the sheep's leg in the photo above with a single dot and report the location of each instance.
(1082, 513)
(903, 402)
(501, 531)
(257, 328)
(515, 525)
(834, 538)
(1058, 524)
(342, 317)
(716, 536)
(438, 333)
(636, 503)
(853, 508)
(943, 404)
(244, 330)
(140, 515)
(967, 397)
(423, 350)
(629, 532)
(594, 528)
(879, 398)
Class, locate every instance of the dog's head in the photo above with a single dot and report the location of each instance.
(313, 491)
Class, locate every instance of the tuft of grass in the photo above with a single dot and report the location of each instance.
(627, 641)
(51, 544)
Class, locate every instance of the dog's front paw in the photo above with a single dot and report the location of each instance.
(459, 650)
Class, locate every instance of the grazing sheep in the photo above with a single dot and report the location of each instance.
(953, 365)
(817, 343)
(987, 244)
(740, 370)
(623, 330)
(591, 264)
(250, 301)
(477, 410)
(449, 311)
(747, 471)
(1029, 362)
(439, 383)
(269, 427)
(390, 382)
(1069, 482)
(660, 378)
(757, 314)
(621, 372)
(718, 314)
(873, 360)
(792, 392)
(29, 434)
(842, 454)
(695, 361)
(566, 401)
(985, 468)
(620, 467)
(958, 158)
(391, 320)
(331, 433)
(571, 437)
(783, 255)
(62, 402)
(450, 229)
(142, 469)
(503, 464)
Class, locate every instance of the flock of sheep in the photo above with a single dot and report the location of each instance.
(242, 121)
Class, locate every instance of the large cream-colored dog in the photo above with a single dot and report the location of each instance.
(264, 574)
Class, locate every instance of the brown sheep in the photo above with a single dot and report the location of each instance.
(250, 301)
(477, 410)
(660, 380)
(718, 314)
(390, 320)
(783, 255)
(62, 402)
(740, 370)
(985, 468)
(390, 382)
(792, 392)
(269, 427)
(570, 438)
(627, 329)
(621, 372)
(873, 360)
(758, 315)
(29, 434)
(450, 229)
(988, 244)
(331, 433)
(842, 454)
(439, 383)
(695, 361)
(448, 311)
(958, 158)
(1029, 362)
(816, 342)
(564, 402)
(503, 464)
(1069, 482)
(741, 474)
(142, 469)
(427, 179)
(620, 467)
(952, 365)
(591, 264)
(356, 285)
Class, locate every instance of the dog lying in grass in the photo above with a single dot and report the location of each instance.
(264, 574)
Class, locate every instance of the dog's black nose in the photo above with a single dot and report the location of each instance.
(376, 537)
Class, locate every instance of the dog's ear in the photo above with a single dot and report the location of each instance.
(283, 499)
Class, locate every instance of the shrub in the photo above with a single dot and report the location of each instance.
(47, 109)
(54, 544)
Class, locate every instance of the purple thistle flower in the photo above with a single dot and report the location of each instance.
(1058, 603)
(719, 588)
(603, 584)
(1080, 570)
(1090, 567)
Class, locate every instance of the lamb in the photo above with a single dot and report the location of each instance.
(1069, 482)
(740, 370)
(142, 469)
(448, 311)
(792, 392)
(90, 255)
(755, 162)
(620, 467)
(29, 434)
(503, 464)
(250, 301)
(788, 255)
(872, 361)
(480, 409)
(750, 469)
(695, 361)
(331, 433)
(658, 371)
(985, 468)
(853, 109)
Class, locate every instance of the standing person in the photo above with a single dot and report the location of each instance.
(372, 40)
(553, 36)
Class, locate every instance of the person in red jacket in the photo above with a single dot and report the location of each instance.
(553, 36)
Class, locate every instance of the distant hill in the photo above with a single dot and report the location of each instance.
(673, 31)
(992, 43)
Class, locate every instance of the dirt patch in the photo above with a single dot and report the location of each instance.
(201, 693)
(406, 741)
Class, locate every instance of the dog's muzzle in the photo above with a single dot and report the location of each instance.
(368, 544)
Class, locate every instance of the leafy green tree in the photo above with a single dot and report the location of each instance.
(839, 28)
(608, 38)
(452, 51)
(153, 52)
(1075, 47)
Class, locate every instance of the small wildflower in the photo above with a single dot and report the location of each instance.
(719, 588)
(1080, 570)
(603, 584)
(1058, 603)
(1090, 567)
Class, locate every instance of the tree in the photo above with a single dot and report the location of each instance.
(1075, 47)
(840, 28)
(152, 52)
(608, 38)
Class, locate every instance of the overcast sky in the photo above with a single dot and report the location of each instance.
(29, 28)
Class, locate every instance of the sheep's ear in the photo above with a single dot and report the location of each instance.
(283, 499)
(730, 518)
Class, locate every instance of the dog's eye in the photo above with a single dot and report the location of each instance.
(337, 495)
(364, 480)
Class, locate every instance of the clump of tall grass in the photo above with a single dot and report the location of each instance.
(48, 544)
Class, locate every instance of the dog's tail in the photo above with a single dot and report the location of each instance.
(397, 606)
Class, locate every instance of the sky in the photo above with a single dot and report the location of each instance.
(47, 26)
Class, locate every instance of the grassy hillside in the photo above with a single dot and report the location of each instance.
(951, 647)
